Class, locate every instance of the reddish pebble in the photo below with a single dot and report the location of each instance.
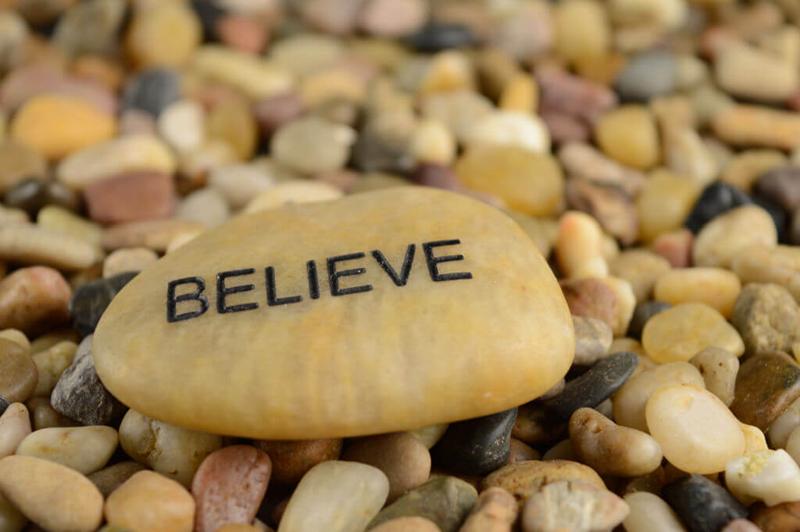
(676, 247)
(229, 486)
(437, 176)
(242, 33)
(131, 197)
(571, 95)
(34, 300)
(292, 459)
(564, 128)
(591, 298)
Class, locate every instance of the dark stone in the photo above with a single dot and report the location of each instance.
(717, 198)
(90, 300)
(209, 14)
(781, 186)
(31, 195)
(375, 151)
(437, 176)
(595, 385)
(436, 37)
(3, 405)
(81, 396)
(476, 446)
(642, 313)
(794, 230)
(647, 75)
(779, 217)
(535, 425)
(766, 385)
(152, 91)
(702, 505)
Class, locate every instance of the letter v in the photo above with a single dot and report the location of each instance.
(402, 278)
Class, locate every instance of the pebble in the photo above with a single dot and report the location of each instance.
(779, 184)
(782, 427)
(206, 206)
(84, 449)
(19, 162)
(718, 368)
(494, 511)
(679, 333)
(641, 268)
(53, 496)
(746, 169)
(333, 142)
(476, 446)
(649, 513)
(592, 340)
(291, 193)
(249, 74)
(105, 19)
(153, 90)
(716, 199)
(444, 500)
(91, 299)
(80, 395)
(611, 207)
(404, 460)
(523, 479)
(572, 505)
(50, 364)
(150, 501)
(768, 475)
(716, 287)
(673, 414)
(293, 459)
(579, 247)
(628, 135)
(11, 519)
(130, 153)
(595, 385)
(734, 69)
(162, 34)
(766, 386)
(229, 486)
(172, 451)
(231, 122)
(336, 496)
(436, 36)
(127, 260)
(728, 235)
(612, 449)
(407, 524)
(642, 313)
(510, 128)
(31, 195)
(225, 414)
(15, 425)
(30, 244)
(130, 197)
(777, 518)
(702, 505)
(581, 29)
(108, 479)
(528, 182)
(664, 203)
(591, 298)
(647, 75)
(430, 435)
(65, 221)
(19, 374)
(767, 316)
(750, 125)
(768, 264)
(390, 18)
(33, 299)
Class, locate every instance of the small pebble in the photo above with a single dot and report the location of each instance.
(130, 197)
(702, 505)
(127, 260)
(149, 501)
(715, 287)
(84, 449)
(592, 340)
(778, 518)
(628, 135)
(15, 425)
(523, 479)
(19, 375)
(649, 513)
(730, 234)
(718, 368)
(30, 244)
(291, 460)
(495, 511)
(572, 505)
(290, 145)
(766, 386)
(767, 317)
(476, 446)
(766, 475)
(642, 314)
(647, 75)
(641, 268)
(664, 203)
(111, 477)
(91, 299)
(579, 246)
(51, 363)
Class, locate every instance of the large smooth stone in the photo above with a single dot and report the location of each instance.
(390, 334)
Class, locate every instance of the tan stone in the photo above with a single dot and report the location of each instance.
(727, 236)
(628, 135)
(664, 203)
(149, 501)
(715, 287)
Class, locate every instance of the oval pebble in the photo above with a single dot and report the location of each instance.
(84, 449)
(715, 287)
(15, 425)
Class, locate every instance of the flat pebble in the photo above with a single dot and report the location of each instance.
(336, 496)
(610, 448)
(730, 234)
(649, 513)
(674, 413)
(523, 479)
(19, 374)
(444, 500)
(718, 368)
(153, 234)
(510, 128)
(768, 475)
(766, 386)
(715, 287)
(17, 162)
(647, 75)
(229, 486)
(292, 192)
(293, 459)
(53, 496)
(476, 446)
(753, 125)
(495, 511)
(572, 505)
(84, 449)
(172, 451)
(767, 316)
(702, 505)
(15, 425)
(130, 197)
(207, 206)
(149, 501)
(679, 333)
(32, 194)
(51, 363)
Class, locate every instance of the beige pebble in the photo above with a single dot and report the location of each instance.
(149, 501)
(292, 192)
(754, 439)
(155, 234)
(182, 125)
(641, 268)
(771, 476)
(33, 299)
(11, 519)
(626, 304)
(333, 141)
(495, 511)
(664, 203)
(736, 64)
(581, 29)
(730, 234)
(578, 246)
(169, 450)
(630, 400)
(110, 478)
(240, 183)
(61, 220)
(53, 496)
(433, 143)
(51, 363)
(510, 128)
(610, 448)
(593, 338)
(675, 415)
(291, 460)
(752, 125)
(780, 429)
(162, 34)
(572, 505)
(29, 244)
(407, 524)
(15, 425)
(746, 167)
(718, 368)
(430, 435)
(252, 75)
(649, 513)
(523, 479)
(628, 134)
(84, 449)
(770, 264)
(16, 336)
(679, 333)
(128, 260)
(715, 287)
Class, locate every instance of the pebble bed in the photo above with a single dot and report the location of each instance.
(650, 149)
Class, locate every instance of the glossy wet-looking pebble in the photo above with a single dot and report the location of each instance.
(231, 297)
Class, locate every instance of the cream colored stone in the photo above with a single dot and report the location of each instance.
(84, 449)
(58, 219)
(581, 29)
(16, 336)
(727, 236)
(511, 128)
(679, 333)
(649, 513)
(715, 287)
(433, 143)
(30, 244)
(278, 360)
(431, 434)
(128, 260)
(628, 134)
(51, 363)
(641, 268)
(746, 167)
(626, 303)
(770, 264)
(630, 401)
(53, 496)
(696, 431)
(252, 75)
(780, 429)
(182, 125)
(754, 439)
(718, 368)
(149, 501)
(747, 72)
(769, 476)
(579, 246)
(664, 203)
(291, 193)
(15, 425)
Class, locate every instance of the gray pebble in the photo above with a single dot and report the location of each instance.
(647, 75)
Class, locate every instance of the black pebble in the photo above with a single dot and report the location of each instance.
(91, 299)
(209, 13)
(32, 195)
(717, 198)
(476, 446)
(702, 505)
(437, 37)
(642, 313)
(3, 405)
(594, 386)
(152, 91)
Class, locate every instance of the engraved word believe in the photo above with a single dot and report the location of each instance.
(195, 303)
